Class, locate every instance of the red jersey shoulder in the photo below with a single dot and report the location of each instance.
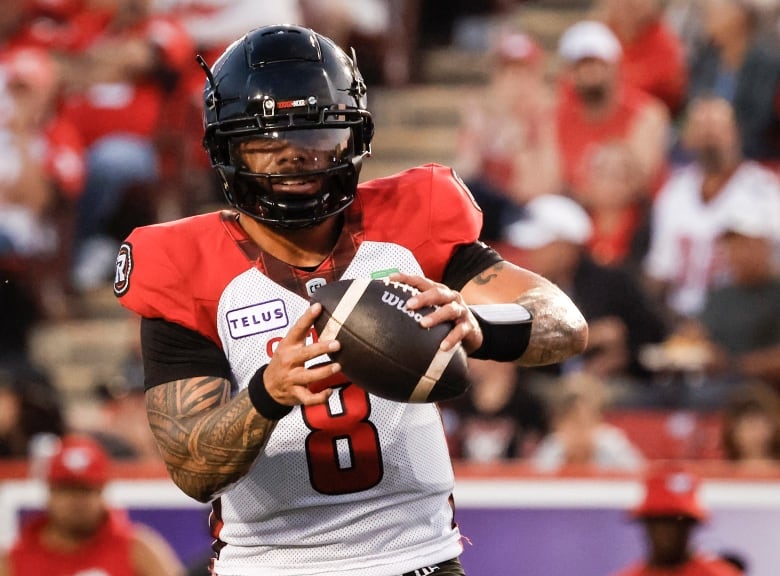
(424, 208)
(178, 270)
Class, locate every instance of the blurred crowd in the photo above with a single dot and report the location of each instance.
(635, 163)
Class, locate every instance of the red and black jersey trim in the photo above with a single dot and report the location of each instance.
(331, 269)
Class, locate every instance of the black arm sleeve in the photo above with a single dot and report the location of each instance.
(467, 261)
(173, 352)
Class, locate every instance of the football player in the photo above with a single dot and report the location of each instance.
(306, 478)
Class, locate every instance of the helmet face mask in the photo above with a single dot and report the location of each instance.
(286, 126)
(293, 178)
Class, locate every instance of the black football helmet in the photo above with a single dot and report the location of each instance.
(287, 85)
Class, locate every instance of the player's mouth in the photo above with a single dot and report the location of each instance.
(308, 186)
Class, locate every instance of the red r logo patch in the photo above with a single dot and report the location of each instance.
(124, 266)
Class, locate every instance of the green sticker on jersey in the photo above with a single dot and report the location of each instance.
(383, 273)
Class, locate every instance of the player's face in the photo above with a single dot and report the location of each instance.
(668, 538)
(593, 79)
(295, 153)
(77, 510)
(711, 131)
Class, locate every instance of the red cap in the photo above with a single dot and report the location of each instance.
(671, 492)
(80, 460)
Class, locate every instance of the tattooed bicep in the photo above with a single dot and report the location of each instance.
(487, 276)
(188, 397)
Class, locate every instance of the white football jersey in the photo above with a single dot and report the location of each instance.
(361, 485)
(335, 499)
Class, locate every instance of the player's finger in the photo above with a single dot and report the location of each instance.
(300, 329)
(308, 398)
(431, 294)
(451, 312)
(302, 354)
(458, 334)
(308, 376)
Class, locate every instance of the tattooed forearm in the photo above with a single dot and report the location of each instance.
(558, 330)
(207, 439)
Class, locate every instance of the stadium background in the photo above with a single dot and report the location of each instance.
(517, 521)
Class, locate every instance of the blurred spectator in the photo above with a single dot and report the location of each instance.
(736, 336)
(507, 147)
(30, 408)
(597, 107)
(496, 419)
(618, 210)
(42, 153)
(580, 437)
(552, 241)
(693, 207)
(78, 532)
(654, 58)
(41, 175)
(669, 513)
(751, 428)
(736, 65)
(122, 72)
(742, 317)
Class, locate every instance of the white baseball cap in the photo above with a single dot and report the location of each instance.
(589, 39)
(549, 218)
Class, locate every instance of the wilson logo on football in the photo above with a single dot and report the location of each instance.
(399, 304)
(124, 266)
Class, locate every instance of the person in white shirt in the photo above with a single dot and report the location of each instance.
(693, 206)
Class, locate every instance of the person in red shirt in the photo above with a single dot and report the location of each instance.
(123, 71)
(653, 55)
(597, 107)
(78, 533)
(613, 140)
(32, 78)
(669, 513)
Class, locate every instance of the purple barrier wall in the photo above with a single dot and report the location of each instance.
(511, 527)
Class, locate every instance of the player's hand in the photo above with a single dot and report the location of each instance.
(287, 379)
(450, 308)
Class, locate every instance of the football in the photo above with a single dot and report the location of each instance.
(384, 350)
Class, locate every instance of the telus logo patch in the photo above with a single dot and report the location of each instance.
(258, 318)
